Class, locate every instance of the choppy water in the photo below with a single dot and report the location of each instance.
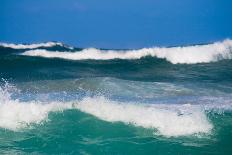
(57, 99)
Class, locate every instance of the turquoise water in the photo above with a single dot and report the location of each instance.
(73, 132)
(56, 99)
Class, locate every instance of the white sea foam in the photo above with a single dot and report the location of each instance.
(168, 120)
(15, 114)
(189, 54)
(31, 46)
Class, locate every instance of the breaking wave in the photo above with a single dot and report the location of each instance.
(178, 121)
(183, 55)
(33, 46)
(167, 120)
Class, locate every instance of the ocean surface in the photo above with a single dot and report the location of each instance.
(58, 99)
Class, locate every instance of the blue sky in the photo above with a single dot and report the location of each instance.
(116, 23)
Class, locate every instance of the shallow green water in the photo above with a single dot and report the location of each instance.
(74, 132)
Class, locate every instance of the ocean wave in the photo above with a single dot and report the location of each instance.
(168, 120)
(183, 55)
(33, 46)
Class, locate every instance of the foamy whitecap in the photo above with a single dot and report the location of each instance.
(189, 54)
(31, 46)
(15, 114)
(168, 120)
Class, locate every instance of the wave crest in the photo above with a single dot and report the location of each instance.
(169, 121)
(183, 55)
(33, 46)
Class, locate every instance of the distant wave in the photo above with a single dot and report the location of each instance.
(32, 46)
(187, 55)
